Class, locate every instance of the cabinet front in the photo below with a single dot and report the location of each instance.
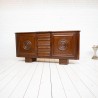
(64, 45)
(26, 44)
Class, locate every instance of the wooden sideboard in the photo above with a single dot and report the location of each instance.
(62, 45)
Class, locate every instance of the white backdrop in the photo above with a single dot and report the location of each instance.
(34, 16)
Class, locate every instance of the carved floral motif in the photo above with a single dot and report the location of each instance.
(27, 45)
(62, 44)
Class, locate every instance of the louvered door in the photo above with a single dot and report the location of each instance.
(43, 44)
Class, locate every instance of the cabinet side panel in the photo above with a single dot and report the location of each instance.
(77, 45)
(16, 45)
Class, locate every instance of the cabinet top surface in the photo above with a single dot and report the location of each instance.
(50, 31)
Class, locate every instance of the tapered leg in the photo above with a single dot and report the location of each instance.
(63, 61)
(29, 59)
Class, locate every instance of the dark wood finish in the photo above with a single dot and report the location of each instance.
(62, 45)
(63, 61)
(27, 59)
(43, 40)
(26, 45)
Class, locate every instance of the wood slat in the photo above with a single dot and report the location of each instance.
(57, 89)
(22, 87)
(44, 54)
(44, 47)
(43, 38)
(45, 87)
(8, 89)
(43, 43)
(70, 89)
(79, 84)
(44, 50)
(89, 84)
(33, 89)
(43, 35)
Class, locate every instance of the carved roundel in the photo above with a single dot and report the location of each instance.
(27, 45)
(62, 44)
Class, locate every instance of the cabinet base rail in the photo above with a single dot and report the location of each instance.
(61, 61)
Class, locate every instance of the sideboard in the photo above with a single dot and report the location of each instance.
(62, 45)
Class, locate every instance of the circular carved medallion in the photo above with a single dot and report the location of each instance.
(62, 44)
(27, 45)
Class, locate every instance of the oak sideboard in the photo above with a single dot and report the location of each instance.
(62, 45)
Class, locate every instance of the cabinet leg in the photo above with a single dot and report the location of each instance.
(29, 59)
(63, 61)
(33, 59)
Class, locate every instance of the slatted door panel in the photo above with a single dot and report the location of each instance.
(43, 44)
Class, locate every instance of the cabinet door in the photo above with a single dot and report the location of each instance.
(26, 45)
(65, 45)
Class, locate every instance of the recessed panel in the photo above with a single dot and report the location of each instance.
(63, 44)
(26, 44)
